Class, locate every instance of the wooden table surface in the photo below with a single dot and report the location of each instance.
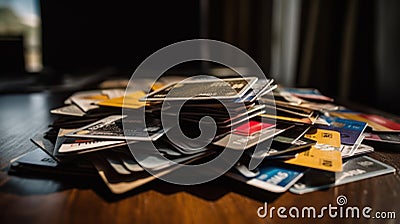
(41, 200)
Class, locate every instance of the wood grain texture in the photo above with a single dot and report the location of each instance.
(34, 200)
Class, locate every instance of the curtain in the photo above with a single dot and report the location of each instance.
(348, 49)
(244, 24)
(337, 48)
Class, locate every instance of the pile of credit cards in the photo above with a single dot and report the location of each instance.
(302, 141)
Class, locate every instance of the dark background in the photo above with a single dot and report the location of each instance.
(95, 34)
(348, 49)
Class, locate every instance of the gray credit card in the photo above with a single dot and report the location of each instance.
(355, 169)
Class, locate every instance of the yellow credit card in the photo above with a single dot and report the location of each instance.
(129, 101)
(324, 155)
(329, 160)
(157, 86)
(303, 120)
(326, 139)
(95, 97)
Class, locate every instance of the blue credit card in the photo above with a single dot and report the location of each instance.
(279, 176)
(350, 130)
(273, 177)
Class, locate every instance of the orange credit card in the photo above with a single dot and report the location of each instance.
(325, 155)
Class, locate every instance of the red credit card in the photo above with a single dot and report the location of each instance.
(382, 121)
(252, 127)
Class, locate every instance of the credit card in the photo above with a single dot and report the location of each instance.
(238, 141)
(129, 101)
(377, 123)
(350, 130)
(252, 127)
(356, 169)
(71, 110)
(111, 128)
(329, 160)
(203, 89)
(383, 137)
(326, 139)
(276, 178)
(307, 93)
(279, 148)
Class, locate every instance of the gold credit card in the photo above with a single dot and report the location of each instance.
(203, 89)
(129, 101)
(325, 155)
(326, 139)
(329, 160)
